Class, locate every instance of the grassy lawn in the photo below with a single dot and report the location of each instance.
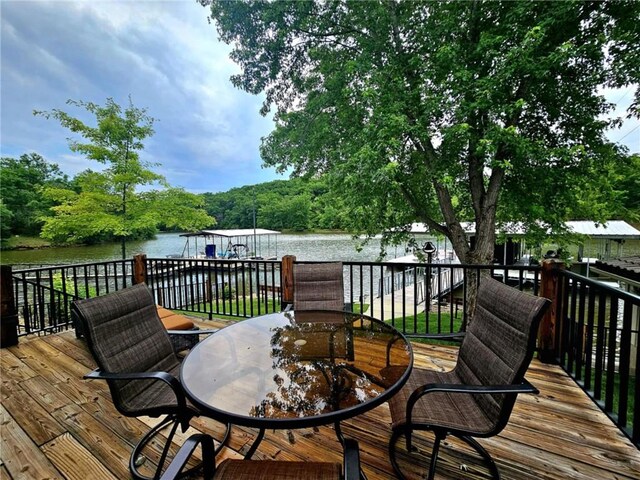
(616, 393)
(21, 241)
(239, 310)
(437, 324)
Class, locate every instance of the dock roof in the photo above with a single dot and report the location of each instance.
(239, 232)
(613, 229)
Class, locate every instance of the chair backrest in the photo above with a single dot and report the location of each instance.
(124, 334)
(318, 286)
(499, 344)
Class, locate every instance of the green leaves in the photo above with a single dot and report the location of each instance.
(111, 203)
(436, 111)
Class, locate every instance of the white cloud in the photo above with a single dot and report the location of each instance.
(162, 53)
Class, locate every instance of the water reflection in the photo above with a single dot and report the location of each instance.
(322, 362)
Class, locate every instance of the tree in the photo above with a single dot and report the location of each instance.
(5, 222)
(22, 182)
(439, 112)
(290, 212)
(295, 204)
(109, 203)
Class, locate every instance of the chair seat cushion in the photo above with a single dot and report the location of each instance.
(174, 321)
(281, 470)
(177, 322)
(454, 411)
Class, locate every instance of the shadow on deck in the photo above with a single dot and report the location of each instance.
(57, 425)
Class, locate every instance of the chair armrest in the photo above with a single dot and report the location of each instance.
(351, 460)
(165, 377)
(524, 387)
(184, 454)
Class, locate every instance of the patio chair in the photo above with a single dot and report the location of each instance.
(476, 398)
(134, 355)
(318, 286)
(232, 469)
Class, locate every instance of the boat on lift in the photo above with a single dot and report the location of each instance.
(234, 244)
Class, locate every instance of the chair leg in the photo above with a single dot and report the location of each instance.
(395, 434)
(434, 453)
(493, 468)
(137, 450)
(439, 436)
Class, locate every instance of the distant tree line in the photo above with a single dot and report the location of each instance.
(37, 199)
(297, 204)
(30, 186)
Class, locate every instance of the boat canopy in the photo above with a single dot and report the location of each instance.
(236, 243)
(239, 232)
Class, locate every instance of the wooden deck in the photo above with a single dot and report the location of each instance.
(57, 425)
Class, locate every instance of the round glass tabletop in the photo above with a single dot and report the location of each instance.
(296, 369)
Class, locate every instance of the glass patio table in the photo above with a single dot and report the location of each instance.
(292, 369)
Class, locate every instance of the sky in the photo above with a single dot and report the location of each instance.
(165, 55)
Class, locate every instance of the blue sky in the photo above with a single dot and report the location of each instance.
(165, 55)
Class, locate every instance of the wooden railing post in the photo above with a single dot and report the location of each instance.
(547, 348)
(286, 280)
(8, 312)
(139, 269)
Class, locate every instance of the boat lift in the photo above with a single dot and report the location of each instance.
(240, 244)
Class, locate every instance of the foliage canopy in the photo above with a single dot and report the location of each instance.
(112, 202)
(23, 181)
(441, 112)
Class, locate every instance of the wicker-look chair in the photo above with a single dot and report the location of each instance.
(134, 355)
(476, 398)
(264, 469)
(318, 286)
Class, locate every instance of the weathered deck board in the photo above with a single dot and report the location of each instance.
(57, 425)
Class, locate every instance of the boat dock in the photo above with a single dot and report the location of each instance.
(404, 289)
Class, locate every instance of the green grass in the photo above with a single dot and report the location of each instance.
(21, 241)
(420, 326)
(616, 393)
(239, 310)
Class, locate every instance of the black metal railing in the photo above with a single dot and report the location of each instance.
(236, 288)
(43, 295)
(597, 338)
(418, 299)
(598, 346)
(423, 299)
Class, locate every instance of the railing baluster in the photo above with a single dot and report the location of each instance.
(580, 332)
(600, 345)
(623, 362)
(611, 355)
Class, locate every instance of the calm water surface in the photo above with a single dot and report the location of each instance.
(304, 247)
(320, 247)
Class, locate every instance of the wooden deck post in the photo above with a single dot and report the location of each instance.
(547, 348)
(139, 268)
(286, 280)
(8, 312)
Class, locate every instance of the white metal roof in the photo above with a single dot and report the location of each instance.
(613, 229)
(241, 232)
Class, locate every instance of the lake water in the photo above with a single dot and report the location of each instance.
(310, 247)
(319, 247)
